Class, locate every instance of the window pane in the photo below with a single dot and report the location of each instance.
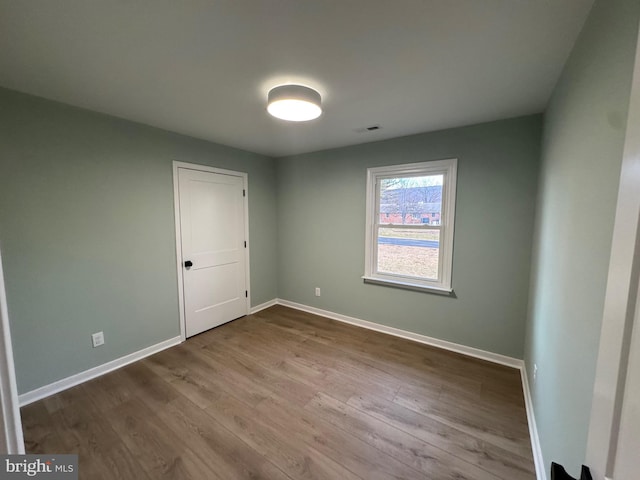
(411, 200)
(406, 252)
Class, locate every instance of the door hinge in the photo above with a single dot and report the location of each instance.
(246, 293)
(244, 192)
(245, 244)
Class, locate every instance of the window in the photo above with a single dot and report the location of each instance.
(410, 218)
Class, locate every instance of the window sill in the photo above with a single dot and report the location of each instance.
(410, 286)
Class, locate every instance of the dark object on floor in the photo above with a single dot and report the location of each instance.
(559, 473)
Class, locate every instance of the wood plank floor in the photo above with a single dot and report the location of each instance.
(283, 394)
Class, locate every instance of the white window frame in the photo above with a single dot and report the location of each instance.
(448, 168)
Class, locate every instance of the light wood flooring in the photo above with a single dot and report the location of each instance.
(283, 394)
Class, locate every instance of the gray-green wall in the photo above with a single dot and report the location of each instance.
(321, 228)
(581, 156)
(87, 233)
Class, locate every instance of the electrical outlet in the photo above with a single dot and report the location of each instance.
(97, 339)
(317, 291)
(535, 372)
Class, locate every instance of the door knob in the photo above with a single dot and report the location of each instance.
(188, 264)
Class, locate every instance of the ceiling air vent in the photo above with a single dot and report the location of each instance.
(371, 128)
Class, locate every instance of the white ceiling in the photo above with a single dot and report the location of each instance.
(204, 67)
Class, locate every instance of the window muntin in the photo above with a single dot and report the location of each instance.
(410, 219)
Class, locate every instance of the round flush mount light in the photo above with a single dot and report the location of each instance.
(295, 103)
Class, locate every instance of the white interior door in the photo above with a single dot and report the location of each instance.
(614, 429)
(11, 438)
(213, 240)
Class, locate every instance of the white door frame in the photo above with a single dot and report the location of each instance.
(179, 259)
(620, 300)
(12, 440)
(628, 444)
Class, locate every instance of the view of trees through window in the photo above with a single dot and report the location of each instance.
(410, 210)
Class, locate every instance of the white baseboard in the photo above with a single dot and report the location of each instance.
(262, 306)
(541, 472)
(416, 337)
(78, 378)
(60, 385)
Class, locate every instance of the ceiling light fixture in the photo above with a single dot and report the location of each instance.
(294, 103)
